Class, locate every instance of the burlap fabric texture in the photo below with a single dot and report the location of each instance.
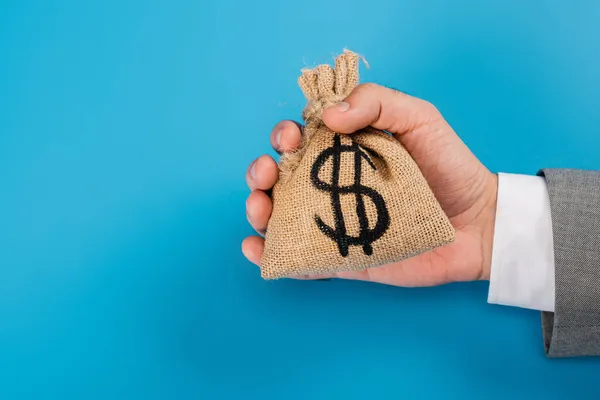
(347, 202)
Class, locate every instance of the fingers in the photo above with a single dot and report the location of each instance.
(262, 173)
(258, 210)
(253, 248)
(286, 136)
(381, 108)
(261, 176)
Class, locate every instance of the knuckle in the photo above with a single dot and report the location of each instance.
(288, 123)
(429, 108)
(368, 86)
(249, 200)
(265, 161)
(270, 161)
(285, 125)
(279, 125)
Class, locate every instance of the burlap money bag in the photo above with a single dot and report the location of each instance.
(347, 202)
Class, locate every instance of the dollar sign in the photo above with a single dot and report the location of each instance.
(367, 236)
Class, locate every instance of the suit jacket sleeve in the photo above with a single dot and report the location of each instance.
(574, 327)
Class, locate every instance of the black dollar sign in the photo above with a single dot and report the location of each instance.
(367, 236)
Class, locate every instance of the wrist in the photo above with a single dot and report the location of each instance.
(488, 226)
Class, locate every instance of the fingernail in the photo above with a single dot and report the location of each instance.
(343, 106)
(278, 138)
(253, 171)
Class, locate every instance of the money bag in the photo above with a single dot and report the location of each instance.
(346, 202)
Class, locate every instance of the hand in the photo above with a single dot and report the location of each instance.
(465, 189)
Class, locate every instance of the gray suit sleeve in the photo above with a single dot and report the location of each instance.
(574, 327)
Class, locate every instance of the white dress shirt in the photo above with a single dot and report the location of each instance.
(522, 271)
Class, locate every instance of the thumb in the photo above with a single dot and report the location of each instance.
(415, 122)
(445, 161)
(382, 108)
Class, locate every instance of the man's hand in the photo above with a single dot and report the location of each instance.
(463, 186)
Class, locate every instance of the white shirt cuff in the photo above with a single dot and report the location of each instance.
(522, 271)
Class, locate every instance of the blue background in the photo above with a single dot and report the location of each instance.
(125, 131)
